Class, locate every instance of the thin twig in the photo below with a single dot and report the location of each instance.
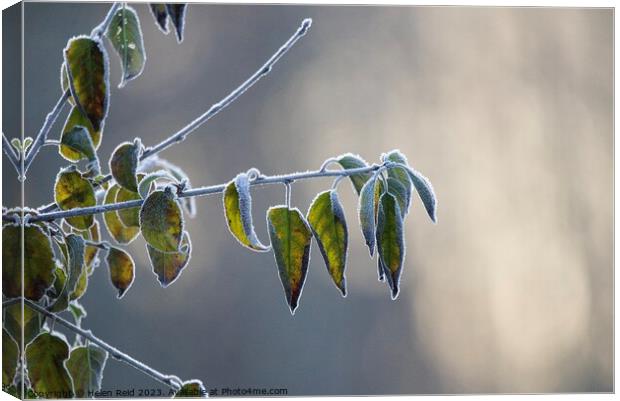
(169, 380)
(208, 190)
(10, 153)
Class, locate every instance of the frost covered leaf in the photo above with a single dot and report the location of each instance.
(73, 191)
(425, 191)
(86, 365)
(179, 176)
(148, 181)
(93, 234)
(401, 193)
(74, 268)
(161, 16)
(121, 268)
(77, 311)
(161, 221)
(87, 70)
(45, 357)
(326, 218)
(38, 267)
(390, 240)
(291, 239)
(10, 355)
(350, 161)
(168, 266)
(14, 322)
(176, 12)
(120, 233)
(77, 119)
(238, 211)
(130, 217)
(124, 164)
(400, 175)
(368, 211)
(126, 36)
(76, 144)
(192, 389)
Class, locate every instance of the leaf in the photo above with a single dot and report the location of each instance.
(38, 266)
(168, 266)
(189, 203)
(120, 233)
(87, 70)
(10, 358)
(93, 234)
(176, 12)
(291, 239)
(73, 191)
(350, 161)
(192, 389)
(126, 36)
(86, 365)
(124, 164)
(64, 82)
(76, 119)
(425, 191)
(399, 175)
(368, 211)
(14, 322)
(75, 265)
(45, 357)
(161, 16)
(27, 143)
(238, 211)
(326, 218)
(401, 193)
(130, 217)
(161, 221)
(146, 184)
(78, 312)
(121, 268)
(390, 240)
(76, 144)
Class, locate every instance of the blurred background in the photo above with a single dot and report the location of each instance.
(507, 110)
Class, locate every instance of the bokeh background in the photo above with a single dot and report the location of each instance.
(507, 110)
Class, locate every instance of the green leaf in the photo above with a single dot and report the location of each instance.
(87, 70)
(93, 234)
(350, 161)
(161, 16)
(390, 240)
(401, 176)
(401, 193)
(130, 217)
(78, 312)
(126, 36)
(368, 211)
(161, 221)
(425, 190)
(192, 389)
(38, 266)
(76, 144)
(326, 218)
(14, 322)
(46, 356)
(27, 143)
(238, 211)
(124, 164)
(17, 144)
(77, 119)
(168, 266)
(86, 365)
(10, 358)
(75, 265)
(120, 233)
(121, 268)
(189, 203)
(291, 239)
(73, 191)
(176, 12)
(146, 184)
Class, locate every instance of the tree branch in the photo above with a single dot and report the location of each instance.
(209, 190)
(169, 380)
(10, 153)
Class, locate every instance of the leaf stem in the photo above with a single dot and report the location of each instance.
(168, 380)
(10, 153)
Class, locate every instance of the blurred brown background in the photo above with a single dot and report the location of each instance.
(507, 110)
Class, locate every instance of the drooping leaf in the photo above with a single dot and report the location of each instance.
(87, 70)
(124, 164)
(399, 175)
(192, 389)
(74, 269)
(425, 190)
(76, 144)
(168, 266)
(46, 356)
(126, 36)
(74, 191)
(189, 203)
(147, 183)
(368, 211)
(121, 268)
(350, 161)
(238, 212)
(326, 218)
(161, 16)
(77, 119)
(291, 239)
(176, 12)
(401, 193)
(14, 322)
(38, 263)
(77, 311)
(390, 240)
(10, 358)
(86, 365)
(130, 217)
(93, 234)
(161, 221)
(120, 233)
